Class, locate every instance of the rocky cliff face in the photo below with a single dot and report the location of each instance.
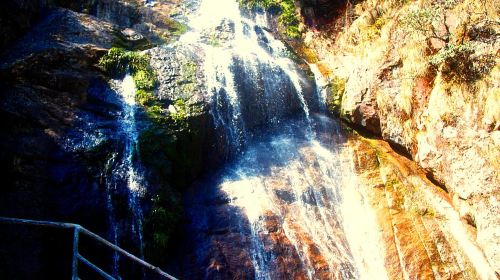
(55, 104)
(424, 76)
(61, 117)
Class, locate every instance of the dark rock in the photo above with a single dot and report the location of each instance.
(57, 118)
(286, 196)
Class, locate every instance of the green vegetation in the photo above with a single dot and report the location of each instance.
(145, 80)
(213, 40)
(179, 116)
(458, 63)
(145, 98)
(334, 98)
(456, 60)
(287, 18)
(426, 22)
(118, 61)
(176, 28)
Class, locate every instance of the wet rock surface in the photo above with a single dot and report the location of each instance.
(278, 223)
(258, 212)
(446, 126)
(54, 93)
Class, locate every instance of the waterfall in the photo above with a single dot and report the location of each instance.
(126, 178)
(286, 186)
(250, 76)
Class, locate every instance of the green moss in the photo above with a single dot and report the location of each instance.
(145, 98)
(117, 61)
(145, 79)
(176, 28)
(166, 152)
(287, 17)
(156, 114)
(334, 98)
(165, 146)
(181, 113)
(187, 81)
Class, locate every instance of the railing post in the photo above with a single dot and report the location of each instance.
(76, 233)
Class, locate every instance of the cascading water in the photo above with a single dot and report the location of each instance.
(287, 210)
(249, 75)
(321, 85)
(135, 182)
(126, 176)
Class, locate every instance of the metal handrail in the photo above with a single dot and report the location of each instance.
(77, 229)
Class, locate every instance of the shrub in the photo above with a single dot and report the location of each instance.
(426, 22)
(456, 63)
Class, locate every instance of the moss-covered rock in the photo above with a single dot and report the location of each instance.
(124, 42)
(334, 97)
(165, 146)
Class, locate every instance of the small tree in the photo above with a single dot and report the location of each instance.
(428, 22)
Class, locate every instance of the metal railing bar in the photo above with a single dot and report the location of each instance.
(76, 256)
(37, 223)
(76, 232)
(95, 268)
(126, 254)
